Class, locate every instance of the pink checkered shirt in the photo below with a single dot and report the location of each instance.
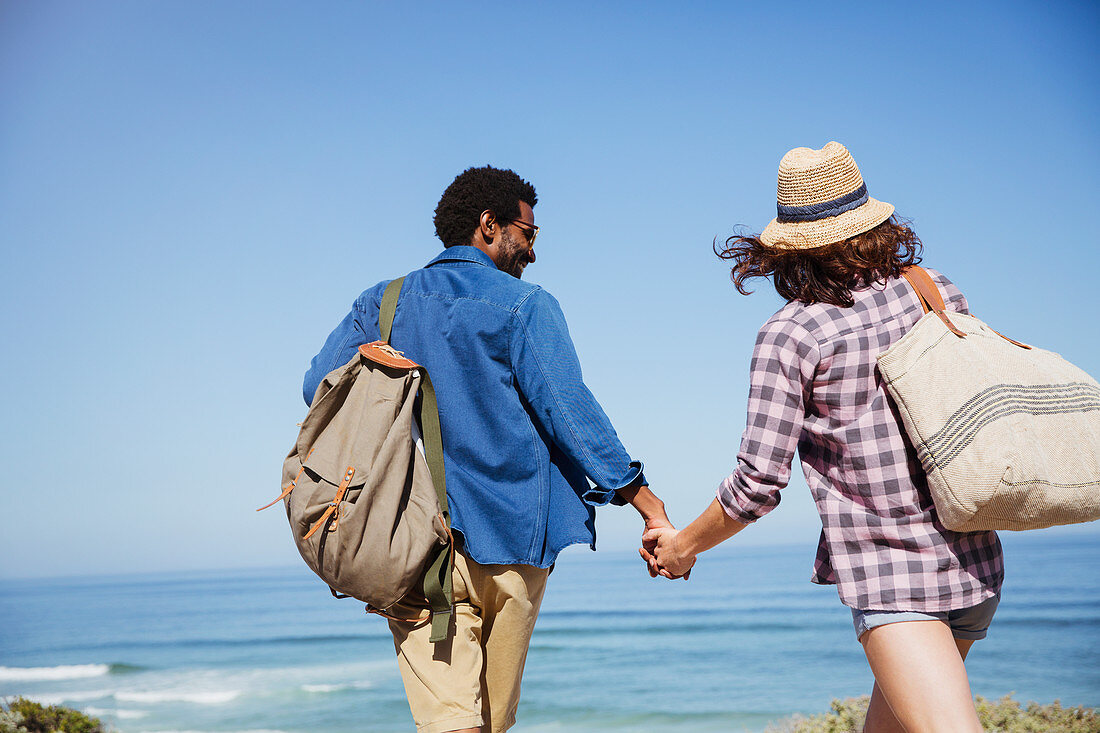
(814, 385)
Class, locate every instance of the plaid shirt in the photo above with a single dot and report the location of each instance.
(814, 385)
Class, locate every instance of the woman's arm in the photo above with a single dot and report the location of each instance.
(780, 376)
(673, 551)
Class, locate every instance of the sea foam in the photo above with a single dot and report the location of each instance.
(364, 685)
(67, 698)
(213, 697)
(63, 672)
(120, 714)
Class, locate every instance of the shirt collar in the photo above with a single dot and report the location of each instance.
(463, 253)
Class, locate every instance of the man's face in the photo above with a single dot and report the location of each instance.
(516, 251)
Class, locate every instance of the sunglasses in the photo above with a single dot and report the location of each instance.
(529, 230)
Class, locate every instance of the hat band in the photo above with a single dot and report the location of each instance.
(825, 209)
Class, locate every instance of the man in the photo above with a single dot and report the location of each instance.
(521, 437)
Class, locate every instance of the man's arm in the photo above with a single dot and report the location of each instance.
(548, 375)
(653, 514)
(360, 326)
(645, 501)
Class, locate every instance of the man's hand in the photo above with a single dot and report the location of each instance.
(646, 550)
(671, 553)
(653, 513)
(651, 510)
(669, 558)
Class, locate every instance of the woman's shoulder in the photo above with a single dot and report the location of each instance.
(813, 320)
(937, 275)
(794, 323)
(823, 322)
(953, 298)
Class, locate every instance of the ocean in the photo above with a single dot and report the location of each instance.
(746, 642)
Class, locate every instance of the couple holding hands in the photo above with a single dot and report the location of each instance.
(523, 437)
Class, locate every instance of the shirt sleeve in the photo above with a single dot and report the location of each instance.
(548, 375)
(360, 326)
(780, 378)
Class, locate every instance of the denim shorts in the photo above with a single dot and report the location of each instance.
(965, 623)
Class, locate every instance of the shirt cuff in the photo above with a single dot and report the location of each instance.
(596, 496)
(739, 505)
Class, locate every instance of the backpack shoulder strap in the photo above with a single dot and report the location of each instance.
(389, 308)
(437, 580)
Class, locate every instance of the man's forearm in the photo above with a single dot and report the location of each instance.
(645, 501)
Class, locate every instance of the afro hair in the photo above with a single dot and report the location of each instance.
(476, 190)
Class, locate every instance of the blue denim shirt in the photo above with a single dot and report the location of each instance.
(521, 431)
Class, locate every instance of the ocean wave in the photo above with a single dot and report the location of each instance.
(261, 641)
(59, 698)
(213, 697)
(120, 714)
(701, 626)
(62, 672)
(340, 687)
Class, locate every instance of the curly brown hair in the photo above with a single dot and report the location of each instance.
(826, 274)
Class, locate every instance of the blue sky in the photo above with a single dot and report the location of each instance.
(193, 193)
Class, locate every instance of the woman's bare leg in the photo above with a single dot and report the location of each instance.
(880, 718)
(920, 681)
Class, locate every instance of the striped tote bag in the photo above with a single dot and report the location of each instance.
(1008, 434)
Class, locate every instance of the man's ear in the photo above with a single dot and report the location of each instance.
(488, 226)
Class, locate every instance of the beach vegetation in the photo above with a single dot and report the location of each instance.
(26, 716)
(997, 716)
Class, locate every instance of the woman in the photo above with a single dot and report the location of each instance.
(920, 594)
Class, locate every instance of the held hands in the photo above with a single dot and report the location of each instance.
(646, 550)
(663, 553)
(672, 554)
(652, 510)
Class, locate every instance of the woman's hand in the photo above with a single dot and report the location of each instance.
(646, 550)
(669, 558)
(671, 553)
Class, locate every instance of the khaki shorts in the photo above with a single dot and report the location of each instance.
(473, 677)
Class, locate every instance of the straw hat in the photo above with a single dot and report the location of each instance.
(821, 199)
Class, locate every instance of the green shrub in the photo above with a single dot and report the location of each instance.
(1003, 716)
(1006, 716)
(26, 716)
(844, 716)
(10, 722)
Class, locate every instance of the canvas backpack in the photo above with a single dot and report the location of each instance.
(1008, 434)
(364, 484)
